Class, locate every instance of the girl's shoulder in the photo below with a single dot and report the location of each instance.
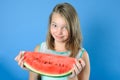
(43, 45)
(84, 55)
(39, 46)
(82, 52)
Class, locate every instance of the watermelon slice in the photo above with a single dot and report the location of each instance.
(48, 64)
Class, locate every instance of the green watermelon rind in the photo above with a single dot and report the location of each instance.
(47, 74)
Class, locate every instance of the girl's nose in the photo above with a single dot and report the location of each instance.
(59, 31)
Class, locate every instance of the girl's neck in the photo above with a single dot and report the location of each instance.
(60, 47)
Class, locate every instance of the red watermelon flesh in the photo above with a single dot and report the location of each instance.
(48, 64)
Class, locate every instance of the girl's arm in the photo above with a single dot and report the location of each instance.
(32, 75)
(85, 73)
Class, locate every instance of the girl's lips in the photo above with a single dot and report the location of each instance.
(59, 36)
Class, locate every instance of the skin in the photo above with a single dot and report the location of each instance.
(59, 31)
(81, 70)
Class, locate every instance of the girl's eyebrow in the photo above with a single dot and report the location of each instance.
(53, 22)
(56, 23)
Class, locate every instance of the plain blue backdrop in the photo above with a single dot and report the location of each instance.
(24, 24)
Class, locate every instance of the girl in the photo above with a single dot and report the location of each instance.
(63, 38)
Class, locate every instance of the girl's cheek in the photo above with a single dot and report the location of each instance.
(54, 30)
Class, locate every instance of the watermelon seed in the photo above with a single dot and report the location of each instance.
(49, 62)
(36, 58)
(45, 62)
(62, 65)
(56, 64)
(59, 64)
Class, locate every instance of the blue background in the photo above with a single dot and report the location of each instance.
(24, 24)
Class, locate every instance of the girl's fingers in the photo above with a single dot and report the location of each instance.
(18, 57)
(22, 65)
(78, 67)
(73, 74)
(20, 61)
(21, 53)
(76, 70)
(82, 63)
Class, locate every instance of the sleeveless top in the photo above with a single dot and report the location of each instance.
(43, 48)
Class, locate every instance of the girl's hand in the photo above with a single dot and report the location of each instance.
(19, 58)
(77, 68)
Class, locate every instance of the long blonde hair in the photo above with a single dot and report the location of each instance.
(70, 15)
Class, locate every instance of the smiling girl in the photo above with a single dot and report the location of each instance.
(63, 38)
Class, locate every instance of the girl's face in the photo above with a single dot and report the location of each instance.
(58, 28)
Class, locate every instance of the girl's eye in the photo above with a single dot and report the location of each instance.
(65, 27)
(54, 25)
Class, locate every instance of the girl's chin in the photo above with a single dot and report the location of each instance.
(59, 40)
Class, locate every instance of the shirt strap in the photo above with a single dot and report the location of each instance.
(82, 51)
(42, 45)
(80, 54)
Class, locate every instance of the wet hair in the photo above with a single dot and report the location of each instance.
(68, 12)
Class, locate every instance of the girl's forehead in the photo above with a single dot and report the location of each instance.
(58, 19)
